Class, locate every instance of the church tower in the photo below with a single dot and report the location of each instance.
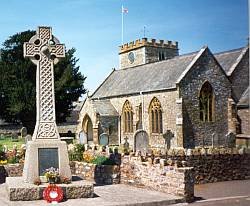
(144, 51)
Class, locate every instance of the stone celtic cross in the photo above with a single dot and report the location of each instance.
(44, 49)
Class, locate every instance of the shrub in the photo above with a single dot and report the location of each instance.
(102, 160)
(76, 153)
(2, 154)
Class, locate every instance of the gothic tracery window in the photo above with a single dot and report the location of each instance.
(155, 112)
(206, 102)
(128, 117)
(139, 122)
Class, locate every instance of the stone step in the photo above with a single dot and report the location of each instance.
(18, 190)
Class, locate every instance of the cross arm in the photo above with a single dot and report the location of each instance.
(58, 50)
(30, 49)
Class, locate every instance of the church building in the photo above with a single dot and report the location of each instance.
(160, 99)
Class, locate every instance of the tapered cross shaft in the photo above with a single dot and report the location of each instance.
(44, 50)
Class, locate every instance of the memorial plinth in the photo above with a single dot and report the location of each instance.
(20, 191)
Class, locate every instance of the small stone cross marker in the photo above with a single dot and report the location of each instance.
(44, 49)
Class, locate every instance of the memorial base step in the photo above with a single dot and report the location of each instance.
(18, 190)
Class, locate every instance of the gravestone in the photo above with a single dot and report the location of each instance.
(230, 140)
(14, 136)
(28, 138)
(215, 140)
(141, 141)
(126, 146)
(168, 136)
(46, 149)
(83, 138)
(23, 132)
(104, 139)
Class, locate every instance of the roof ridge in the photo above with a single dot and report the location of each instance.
(196, 57)
(239, 58)
(228, 51)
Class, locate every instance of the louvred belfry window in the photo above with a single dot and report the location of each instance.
(155, 112)
(128, 117)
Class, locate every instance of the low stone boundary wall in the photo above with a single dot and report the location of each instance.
(216, 165)
(210, 165)
(101, 174)
(10, 170)
(167, 179)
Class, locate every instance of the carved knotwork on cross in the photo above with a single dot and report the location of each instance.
(44, 50)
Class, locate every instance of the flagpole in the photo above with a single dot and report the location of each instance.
(122, 24)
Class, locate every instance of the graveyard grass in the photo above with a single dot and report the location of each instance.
(6, 140)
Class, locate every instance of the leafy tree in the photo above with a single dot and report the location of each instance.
(18, 83)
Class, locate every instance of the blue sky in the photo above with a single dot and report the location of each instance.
(93, 27)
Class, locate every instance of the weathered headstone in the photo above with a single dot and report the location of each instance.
(28, 138)
(168, 136)
(104, 139)
(83, 138)
(23, 132)
(14, 136)
(215, 140)
(230, 139)
(126, 146)
(141, 141)
(44, 49)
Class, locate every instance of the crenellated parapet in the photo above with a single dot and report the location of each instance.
(148, 42)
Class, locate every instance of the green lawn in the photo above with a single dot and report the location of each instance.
(7, 141)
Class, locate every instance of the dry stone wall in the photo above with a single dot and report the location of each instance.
(101, 174)
(167, 179)
(214, 165)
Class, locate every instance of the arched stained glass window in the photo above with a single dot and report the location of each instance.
(206, 102)
(128, 117)
(155, 116)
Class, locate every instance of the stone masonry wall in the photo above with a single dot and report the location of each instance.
(167, 179)
(139, 55)
(240, 77)
(214, 165)
(101, 174)
(196, 132)
(168, 104)
(152, 53)
(10, 170)
(244, 115)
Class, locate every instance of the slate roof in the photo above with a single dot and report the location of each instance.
(159, 75)
(228, 59)
(144, 78)
(244, 100)
(104, 108)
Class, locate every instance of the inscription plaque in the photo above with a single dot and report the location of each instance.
(47, 157)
